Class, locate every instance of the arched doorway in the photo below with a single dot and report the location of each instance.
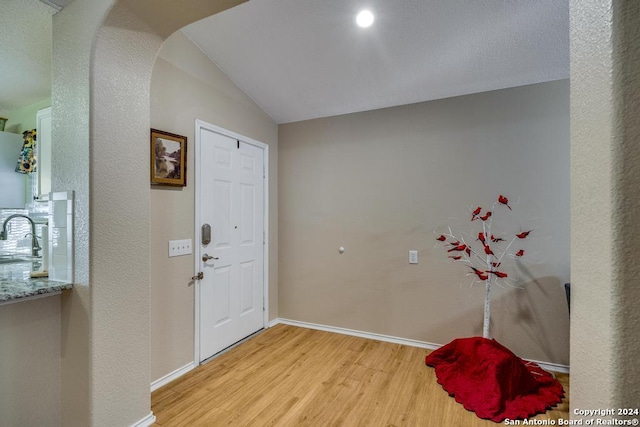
(105, 52)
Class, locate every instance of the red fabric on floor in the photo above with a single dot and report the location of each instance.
(487, 378)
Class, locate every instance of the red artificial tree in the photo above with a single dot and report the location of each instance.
(483, 375)
(486, 256)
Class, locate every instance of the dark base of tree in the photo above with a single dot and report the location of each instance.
(487, 378)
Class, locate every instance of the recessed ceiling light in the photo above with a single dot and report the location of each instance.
(365, 18)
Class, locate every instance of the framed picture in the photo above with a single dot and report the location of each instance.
(168, 159)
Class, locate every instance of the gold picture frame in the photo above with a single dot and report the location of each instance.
(168, 159)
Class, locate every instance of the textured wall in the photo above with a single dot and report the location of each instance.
(119, 218)
(379, 182)
(605, 123)
(186, 86)
(73, 34)
(627, 91)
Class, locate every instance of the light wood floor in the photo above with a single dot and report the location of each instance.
(290, 376)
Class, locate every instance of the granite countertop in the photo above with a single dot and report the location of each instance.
(17, 286)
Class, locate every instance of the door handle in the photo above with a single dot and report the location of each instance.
(207, 257)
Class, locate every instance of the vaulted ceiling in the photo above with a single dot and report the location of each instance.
(303, 59)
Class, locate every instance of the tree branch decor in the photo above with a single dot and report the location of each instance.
(486, 256)
(482, 374)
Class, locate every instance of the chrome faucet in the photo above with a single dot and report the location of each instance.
(35, 247)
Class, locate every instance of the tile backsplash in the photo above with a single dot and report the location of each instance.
(58, 214)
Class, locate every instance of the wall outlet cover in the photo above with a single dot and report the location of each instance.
(179, 247)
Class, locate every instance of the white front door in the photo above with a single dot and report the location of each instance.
(231, 201)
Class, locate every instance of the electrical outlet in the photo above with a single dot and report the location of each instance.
(413, 257)
(179, 247)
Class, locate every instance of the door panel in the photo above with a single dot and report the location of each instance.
(247, 220)
(247, 287)
(221, 296)
(222, 215)
(231, 200)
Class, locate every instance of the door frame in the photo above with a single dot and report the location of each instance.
(199, 125)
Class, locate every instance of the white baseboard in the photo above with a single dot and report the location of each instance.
(146, 421)
(361, 334)
(172, 376)
(554, 367)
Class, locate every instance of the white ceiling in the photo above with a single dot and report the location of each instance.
(303, 59)
(25, 53)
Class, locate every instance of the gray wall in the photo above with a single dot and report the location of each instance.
(380, 182)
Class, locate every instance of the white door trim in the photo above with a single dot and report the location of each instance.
(200, 124)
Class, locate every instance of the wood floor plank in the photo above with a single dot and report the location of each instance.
(290, 376)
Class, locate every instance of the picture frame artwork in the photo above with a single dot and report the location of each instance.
(168, 159)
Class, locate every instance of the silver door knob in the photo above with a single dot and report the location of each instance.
(207, 257)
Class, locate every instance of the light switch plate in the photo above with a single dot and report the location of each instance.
(413, 257)
(179, 247)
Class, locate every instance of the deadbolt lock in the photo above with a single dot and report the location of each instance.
(206, 234)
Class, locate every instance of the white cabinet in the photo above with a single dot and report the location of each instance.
(13, 186)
